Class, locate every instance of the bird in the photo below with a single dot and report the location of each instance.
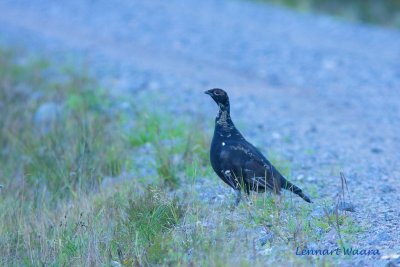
(237, 162)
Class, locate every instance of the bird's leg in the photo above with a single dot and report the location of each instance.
(231, 180)
(238, 197)
(238, 194)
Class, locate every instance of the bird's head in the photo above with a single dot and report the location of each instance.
(219, 96)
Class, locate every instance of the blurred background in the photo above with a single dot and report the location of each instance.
(105, 130)
(385, 13)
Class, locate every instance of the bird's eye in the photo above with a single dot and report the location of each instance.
(218, 92)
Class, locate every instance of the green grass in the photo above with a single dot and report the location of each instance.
(146, 222)
(48, 163)
(57, 211)
(63, 154)
(386, 13)
(292, 225)
(52, 169)
(282, 165)
(177, 147)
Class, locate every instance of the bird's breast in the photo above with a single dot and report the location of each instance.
(215, 153)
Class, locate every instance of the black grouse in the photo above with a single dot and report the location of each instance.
(237, 162)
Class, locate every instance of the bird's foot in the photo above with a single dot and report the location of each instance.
(249, 202)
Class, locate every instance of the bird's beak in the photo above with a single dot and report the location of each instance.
(208, 92)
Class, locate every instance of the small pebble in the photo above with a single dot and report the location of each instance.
(376, 150)
(393, 263)
(346, 206)
(387, 189)
(268, 237)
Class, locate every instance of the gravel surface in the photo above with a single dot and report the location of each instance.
(319, 92)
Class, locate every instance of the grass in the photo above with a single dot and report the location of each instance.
(177, 147)
(60, 153)
(53, 166)
(385, 13)
(48, 161)
(147, 219)
(73, 194)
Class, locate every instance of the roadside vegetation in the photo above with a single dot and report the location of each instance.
(386, 13)
(85, 182)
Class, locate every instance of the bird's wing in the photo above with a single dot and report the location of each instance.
(249, 152)
(245, 160)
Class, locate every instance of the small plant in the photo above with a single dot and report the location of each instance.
(177, 144)
(290, 223)
(147, 220)
(336, 217)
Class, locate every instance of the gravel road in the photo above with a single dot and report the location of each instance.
(322, 93)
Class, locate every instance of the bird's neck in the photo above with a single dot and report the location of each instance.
(223, 123)
(224, 119)
(224, 108)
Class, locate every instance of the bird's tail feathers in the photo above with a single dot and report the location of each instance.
(293, 188)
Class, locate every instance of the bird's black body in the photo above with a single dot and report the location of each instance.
(237, 162)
